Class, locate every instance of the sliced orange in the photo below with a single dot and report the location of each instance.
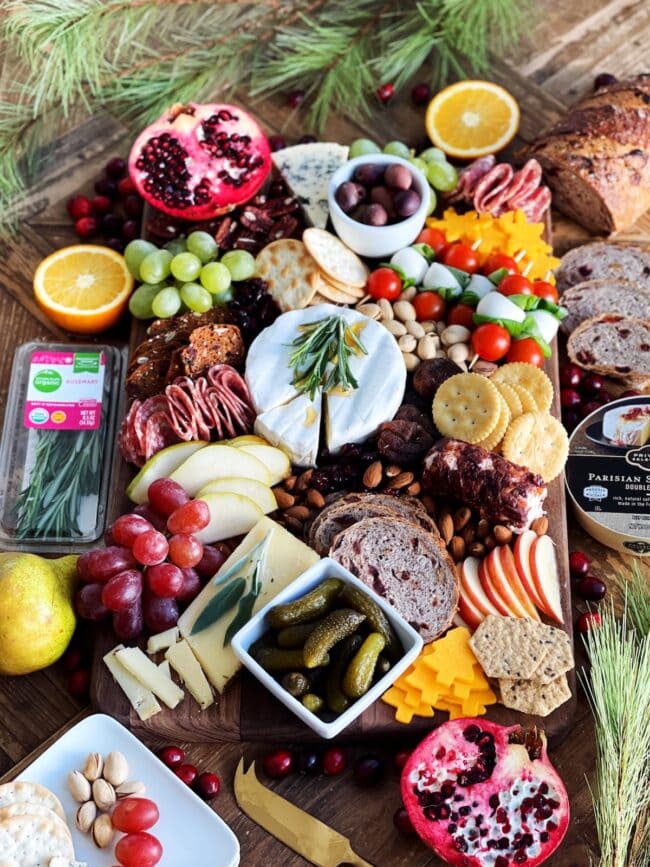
(470, 119)
(84, 288)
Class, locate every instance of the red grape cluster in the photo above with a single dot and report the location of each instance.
(153, 563)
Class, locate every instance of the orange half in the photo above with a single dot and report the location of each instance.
(84, 288)
(471, 119)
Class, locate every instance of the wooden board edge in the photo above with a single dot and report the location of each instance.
(20, 766)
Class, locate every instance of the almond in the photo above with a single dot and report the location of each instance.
(403, 480)
(468, 533)
(392, 470)
(483, 528)
(446, 527)
(315, 499)
(284, 499)
(457, 548)
(293, 524)
(502, 535)
(414, 489)
(461, 518)
(476, 549)
(303, 480)
(373, 475)
(290, 483)
(540, 526)
(428, 503)
(301, 513)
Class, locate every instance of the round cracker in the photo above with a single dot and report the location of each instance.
(538, 441)
(330, 292)
(34, 839)
(18, 793)
(492, 441)
(334, 259)
(29, 808)
(527, 401)
(534, 380)
(511, 398)
(466, 407)
(286, 266)
(345, 287)
(318, 299)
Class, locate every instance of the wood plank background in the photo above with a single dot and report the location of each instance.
(567, 45)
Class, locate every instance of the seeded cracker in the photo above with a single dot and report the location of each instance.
(534, 698)
(287, 266)
(509, 647)
(534, 380)
(466, 407)
(538, 441)
(334, 259)
(559, 658)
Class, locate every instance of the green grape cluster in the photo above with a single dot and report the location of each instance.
(185, 274)
(432, 162)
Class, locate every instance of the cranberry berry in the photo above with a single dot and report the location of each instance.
(569, 398)
(78, 207)
(172, 756)
(101, 205)
(207, 786)
(385, 92)
(588, 620)
(579, 564)
(78, 683)
(403, 823)
(186, 773)
(295, 98)
(591, 588)
(116, 168)
(278, 764)
(593, 383)
(86, 227)
(570, 375)
(421, 93)
(334, 762)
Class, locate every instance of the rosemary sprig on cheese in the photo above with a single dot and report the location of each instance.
(321, 356)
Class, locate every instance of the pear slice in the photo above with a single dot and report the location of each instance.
(160, 466)
(251, 488)
(230, 515)
(247, 440)
(219, 461)
(275, 459)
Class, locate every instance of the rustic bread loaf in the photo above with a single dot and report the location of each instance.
(406, 565)
(596, 160)
(615, 346)
(602, 261)
(595, 297)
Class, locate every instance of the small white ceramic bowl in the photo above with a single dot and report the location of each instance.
(377, 241)
(257, 627)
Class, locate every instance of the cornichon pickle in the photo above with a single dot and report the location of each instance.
(337, 702)
(295, 636)
(356, 598)
(279, 659)
(358, 675)
(296, 683)
(382, 667)
(316, 603)
(332, 629)
(313, 702)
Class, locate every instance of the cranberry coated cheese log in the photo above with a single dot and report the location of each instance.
(497, 489)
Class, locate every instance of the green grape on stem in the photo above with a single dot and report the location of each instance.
(166, 303)
(240, 263)
(442, 176)
(433, 155)
(196, 297)
(363, 146)
(176, 245)
(397, 149)
(215, 277)
(433, 201)
(155, 267)
(141, 300)
(135, 252)
(185, 267)
(203, 245)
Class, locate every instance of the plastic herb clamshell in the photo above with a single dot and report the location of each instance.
(57, 445)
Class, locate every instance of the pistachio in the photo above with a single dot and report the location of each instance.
(455, 334)
(103, 794)
(103, 831)
(397, 329)
(116, 768)
(409, 294)
(459, 353)
(93, 767)
(407, 343)
(427, 347)
(371, 310)
(486, 368)
(411, 361)
(440, 327)
(79, 787)
(386, 308)
(130, 789)
(428, 326)
(413, 327)
(86, 815)
(404, 310)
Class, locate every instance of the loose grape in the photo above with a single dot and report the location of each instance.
(142, 299)
(155, 267)
(158, 521)
(433, 201)
(128, 624)
(192, 585)
(203, 245)
(150, 548)
(212, 560)
(189, 518)
(165, 496)
(165, 580)
(176, 246)
(122, 590)
(397, 149)
(127, 527)
(240, 263)
(433, 155)
(185, 550)
(166, 303)
(215, 277)
(159, 614)
(363, 146)
(418, 163)
(442, 176)
(185, 267)
(88, 602)
(196, 297)
(102, 564)
(135, 252)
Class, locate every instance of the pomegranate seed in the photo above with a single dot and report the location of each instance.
(86, 227)
(78, 207)
(591, 588)
(604, 79)
(101, 205)
(277, 142)
(401, 758)
(116, 244)
(172, 756)
(186, 773)
(569, 398)
(588, 620)
(295, 98)
(79, 683)
(421, 93)
(126, 187)
(385, 92)
(579, 563)
(402, 822)
(333, 762)
(278, 764)
(207, 786)
(130, 230)
(307, 139)
(106, 187)
(115, 168)
(132, 206)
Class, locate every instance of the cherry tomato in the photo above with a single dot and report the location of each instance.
(545, 290)
(434, 238)
(385, 283)
(527, 350)
(462, 257)
(429, 305)
(461, 314)
(138, 850)
(515, 284)
(490, 341)
(134, 814)
(497, 261)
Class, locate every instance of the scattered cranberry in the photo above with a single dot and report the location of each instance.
(401, 758)
(307, 139)
(569, 398)
(402, 822)
(72, 659)
(593, 383)
(368, 771)
(588, 620)
(116, 244)
(112, 224)
(79, 683)
(78, 207)
(385, 92)
(86, 227)
(106, 187)
(132, 206)
(207, 786)
(278, 764)
(579, 564)
(277, 142)
(591, 588)
(421, 93)
(631, 393)
(570, 375)
(172, 756)
(101, 205)
(604, 79)
(115, 168)
(130, 230)
(126, 187)
(295, 98)
(186, 773)
(309, 762)
(333, 762)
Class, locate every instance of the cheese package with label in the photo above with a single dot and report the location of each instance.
(143, 701)
(307, 169)
(185, 664)
(147, 672)
(281, 559)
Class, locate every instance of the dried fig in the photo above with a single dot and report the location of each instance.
(403, 441)
(430, 375)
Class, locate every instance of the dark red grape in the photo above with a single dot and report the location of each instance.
(116, 244)
(591, 588)
(106, 187)
(579, 563)
(128, 624)
(309, 762)
(88, 602)
(112, 224)
(570, 418)
(78, 683)
(189, 518)
(158, 521)
(570, 375)
(122, 590)
(166, 495)
(570, 398)
(127, 527)
(102, 563)
(334, 761)
(212, 560)
(101, 205)
(72, 659)
(126, 187)
(185, 550)
(192, 586)
(133, 206)
(590, 406)
(421, 93)
(150, 548)
(368, 771)
(403, 823)
(593, 383)
(159, 614)
(130, 230)
(165, 580)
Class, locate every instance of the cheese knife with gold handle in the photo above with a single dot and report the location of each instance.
(306, 835)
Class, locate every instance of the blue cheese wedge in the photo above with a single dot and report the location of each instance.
(307, 169)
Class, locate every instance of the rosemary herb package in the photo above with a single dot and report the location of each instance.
(57, 445)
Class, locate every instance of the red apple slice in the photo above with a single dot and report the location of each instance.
(507, 561)
(501, 582)
(543, 564)
(491, 591)
(522, 562)
(471, 615)
(472, 589)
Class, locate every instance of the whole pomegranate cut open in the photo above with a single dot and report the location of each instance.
(198, 161)
(484, 795)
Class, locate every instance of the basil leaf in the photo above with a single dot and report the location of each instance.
(497, 276)
(470, 298)
(531, 329)
(445, 293)
(550, 307)
(514, 329)
(425, 250)
(525, 302)
(406, 281)
(244, 614)
(462, 276)
(219, 605)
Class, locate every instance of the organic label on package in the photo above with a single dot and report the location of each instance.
(65, 390)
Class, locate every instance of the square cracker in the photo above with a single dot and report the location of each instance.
(509, 647)
(287, 267)
(559, 658)
(532, 697)
(334, 259)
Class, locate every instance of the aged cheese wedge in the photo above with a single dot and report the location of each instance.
(163, 640)
(164, 668)
(142, 700)
(185, 664)
(307, 169)
(143, 669)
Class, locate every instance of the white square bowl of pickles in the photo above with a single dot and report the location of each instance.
(258, 626)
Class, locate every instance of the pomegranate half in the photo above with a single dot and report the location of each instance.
(484, 795)
(198, 161)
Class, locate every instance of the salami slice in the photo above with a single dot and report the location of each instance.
(469, 178)
(524, 183)
(492, 190)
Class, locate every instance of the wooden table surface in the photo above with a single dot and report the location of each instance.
(567, 45)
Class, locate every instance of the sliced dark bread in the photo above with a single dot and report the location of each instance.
(184, 323)
(408, 566)
(351, 508)
(616, 346)
(595, 297)
(602, 261)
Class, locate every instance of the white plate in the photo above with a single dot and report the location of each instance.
(189, 830)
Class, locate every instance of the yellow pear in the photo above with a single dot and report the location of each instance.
(37, 616)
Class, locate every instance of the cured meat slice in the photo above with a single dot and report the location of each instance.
(495, 188)
(470, 176)
(492, 190)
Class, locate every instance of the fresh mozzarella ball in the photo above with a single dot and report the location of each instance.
(412, 263)
(439, 277)
(479, 285)
(497, 306)
(546, 322)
